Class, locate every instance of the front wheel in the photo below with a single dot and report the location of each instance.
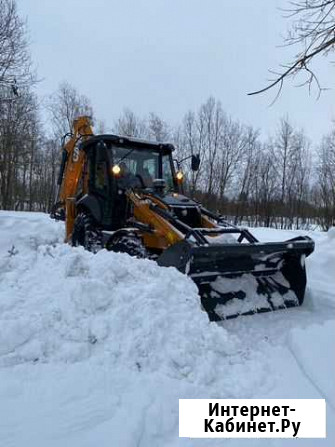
(85, 233)
(128, 243)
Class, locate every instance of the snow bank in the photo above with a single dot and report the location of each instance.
(131, 335)
(321, 271)
(63, 304)
(88, 342)
(27, 231)
(97, 349)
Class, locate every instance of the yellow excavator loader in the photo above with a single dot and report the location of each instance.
(125, 195)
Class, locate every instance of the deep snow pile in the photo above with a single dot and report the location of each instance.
(97, 349)
(60, 303)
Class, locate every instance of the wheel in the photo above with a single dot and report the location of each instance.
(128, 243)
(85, 233)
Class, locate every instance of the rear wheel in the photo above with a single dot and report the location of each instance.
(85, 233)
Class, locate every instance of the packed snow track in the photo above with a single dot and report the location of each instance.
(96, 350)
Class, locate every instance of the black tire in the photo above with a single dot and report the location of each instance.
(130, 244)
(85, 233)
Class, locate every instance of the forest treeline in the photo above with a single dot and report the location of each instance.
(284, 181)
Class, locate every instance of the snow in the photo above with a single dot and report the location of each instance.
(97, 349)
(320, 339)
(251, 302)
(222, 239)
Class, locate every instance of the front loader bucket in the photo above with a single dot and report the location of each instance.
(242, 279)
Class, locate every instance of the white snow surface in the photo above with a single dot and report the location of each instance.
(97, 349)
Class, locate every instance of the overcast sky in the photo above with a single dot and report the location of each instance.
(169, 56)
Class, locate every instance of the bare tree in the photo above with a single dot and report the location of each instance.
(19, 134)
(19, 126)
(313, 31)
(130, 125)
(211, 121)
(265, 187)
(298, 180)
(15, 63)
(246, 172)
(326, 181)
(158, 130)
(283, 153)
(191, 144)
(64, 106)
(232, 149)
(220, 142)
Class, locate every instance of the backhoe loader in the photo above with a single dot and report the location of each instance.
(124, 194)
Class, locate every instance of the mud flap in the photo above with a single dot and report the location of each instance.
(242, 279)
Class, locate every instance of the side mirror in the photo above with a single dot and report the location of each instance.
(195, 162)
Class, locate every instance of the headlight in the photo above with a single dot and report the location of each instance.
(180, 176)
(116, 170)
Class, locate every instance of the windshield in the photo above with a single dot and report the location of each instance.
(144, 164)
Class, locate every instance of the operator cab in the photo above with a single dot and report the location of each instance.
(115, 165)
(129, 163)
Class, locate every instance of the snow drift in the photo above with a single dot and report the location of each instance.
(65, 304)
(97, 349)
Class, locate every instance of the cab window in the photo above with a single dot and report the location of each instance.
(101, 174)
(167, 172)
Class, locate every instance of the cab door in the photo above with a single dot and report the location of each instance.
(99, 181)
